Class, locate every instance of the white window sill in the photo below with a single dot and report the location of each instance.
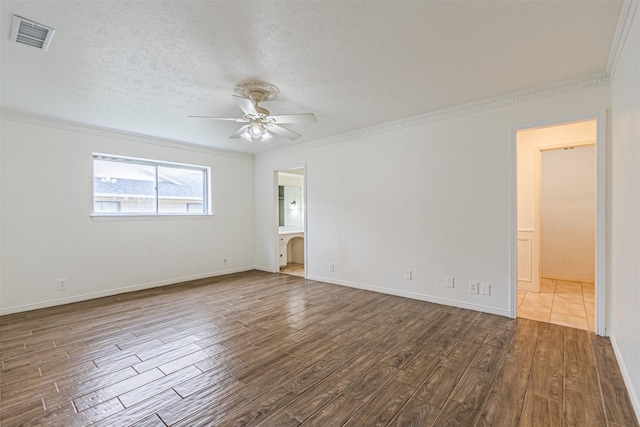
(142, 217)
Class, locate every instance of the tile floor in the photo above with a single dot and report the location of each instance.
(293, 269)
(560, 302)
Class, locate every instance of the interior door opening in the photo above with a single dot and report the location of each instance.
(291, 214)
(557, 205)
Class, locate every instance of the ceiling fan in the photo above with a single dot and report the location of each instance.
(260, 124)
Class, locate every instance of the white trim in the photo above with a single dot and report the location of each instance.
(568, 278)
(123, 290)
(413, 295)
(530, 277)
(550, 90)
(99, 217)
(635, 401)
(512, 269)
(540, 92)
(625, 22)
(601, 223)
(292, 175)
(275, 226)
(113, 133)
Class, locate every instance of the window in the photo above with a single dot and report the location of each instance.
(128, 186)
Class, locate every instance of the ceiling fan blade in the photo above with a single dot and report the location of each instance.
(280, 131)
(295, 118)
(246, 105)
(239, 132)
(238, 120)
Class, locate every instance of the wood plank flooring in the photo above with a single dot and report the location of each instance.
(261, 349)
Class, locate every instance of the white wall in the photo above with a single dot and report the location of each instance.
(624, 237)
(432, 198)
(293, 180)
(48, 233)
(568, 213)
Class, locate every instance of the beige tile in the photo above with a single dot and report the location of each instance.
(563, 319)
(569, 303)
(537, 298)
(588, 286)
(569, 287)
(569, 299)
(591, 318)
(546, 281)
(589, 294)
(547, 288)
(293, 269)
(535, 307)
(576, 308)
(561, 302)
(520, 298)
(576, 292)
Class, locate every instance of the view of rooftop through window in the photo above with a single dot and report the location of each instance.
(125, 186)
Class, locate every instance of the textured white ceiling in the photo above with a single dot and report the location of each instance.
(143, 66)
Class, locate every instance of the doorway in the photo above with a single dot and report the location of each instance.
(559, 232)
(291, 220)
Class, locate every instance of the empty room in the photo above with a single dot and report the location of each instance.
(319, 213)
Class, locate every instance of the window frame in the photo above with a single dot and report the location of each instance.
(206, 191)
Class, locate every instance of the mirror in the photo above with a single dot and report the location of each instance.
(290, 203)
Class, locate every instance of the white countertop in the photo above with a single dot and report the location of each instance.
(290, 230)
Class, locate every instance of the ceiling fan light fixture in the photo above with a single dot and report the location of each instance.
(256, 130)
(256, 133)
(258, 123)
(246, 135)
(266, 136)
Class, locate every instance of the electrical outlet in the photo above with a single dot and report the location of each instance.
(224, 260)
(62, 284)
(485, 288)
(449, 281)
(473, 287)
(408, 275)
(331, 267)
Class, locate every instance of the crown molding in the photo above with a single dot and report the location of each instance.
(625, 22)
(514, 98)
(19, 117)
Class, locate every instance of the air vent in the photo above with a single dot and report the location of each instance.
(31, 33)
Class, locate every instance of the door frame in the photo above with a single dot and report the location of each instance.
(276, 209)
(601, 211)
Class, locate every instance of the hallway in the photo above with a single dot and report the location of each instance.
(560, 302)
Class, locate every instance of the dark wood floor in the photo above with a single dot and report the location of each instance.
(275, 350)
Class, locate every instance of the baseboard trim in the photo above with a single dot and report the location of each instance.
(111, 292)
(567, 278)
(413, 295)
(527, 287)
(633, 396)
